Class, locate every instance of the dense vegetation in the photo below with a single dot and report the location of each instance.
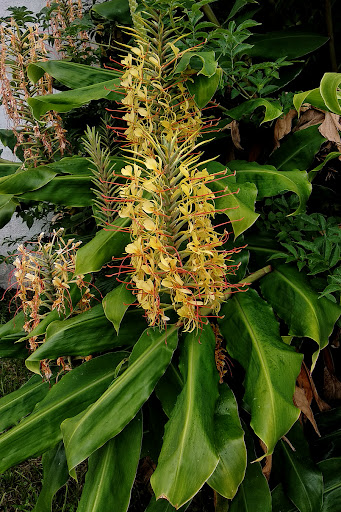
(180, 318)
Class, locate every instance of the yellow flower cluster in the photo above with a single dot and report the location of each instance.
(174, 246)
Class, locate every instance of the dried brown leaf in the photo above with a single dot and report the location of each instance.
(310, 117)
(235, 134)
(283, 126)
(266, 469)
(305, 381)
(300, 400)
(330, 128)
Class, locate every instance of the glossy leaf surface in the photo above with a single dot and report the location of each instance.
(115, 10)
(111, 471)
(270, 182)
(331, 471)
(85, 433)
(188, 456)
(252, 337)
(329, 88)
(272, 109)
(230, 445)
(285, 43)
(116, 303)
(72, 394)
(23, 181)
(64, 190)
(203, 87)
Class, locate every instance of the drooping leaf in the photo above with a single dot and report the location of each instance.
(85, 433)
(285, 43)
(331, 470)
(72, 394)
(230, 445)
(252, 337)
(188, 456)
(7, 208)
(10, 349)
(298, 150)
(203, 88)
(55, 476)
(24, 181)
(203, 62)
(313, 97)
(329, 87)
(68, 100)
(116, 303)
(102, 248)
(270, 182)
(7, 167)
(297, 303)
(111, 471)
(19, 403)
(67, 190)
(114, 10)
(272, 109)
(239, 4)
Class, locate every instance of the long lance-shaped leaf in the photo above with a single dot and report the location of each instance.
(107, 243)
(72, 394)
(55, 476)
(331, 471)
(7, 208)
(270, 182)
(112, 471)
(116, 303)
(24, 181)
(252, 337)
(188, 456)
(70, 190)
(272, 109)
(297, 303)
(230, 445)
(253, 494)
(87, 333)
(88, 431)
(22, 401)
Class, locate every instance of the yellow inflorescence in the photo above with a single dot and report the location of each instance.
(174, 246)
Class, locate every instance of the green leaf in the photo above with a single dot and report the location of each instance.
(55, 476)
(271, 182)
(168, 388)
(112, 470)
(239, 4)
(272, 109)
(87, 333)
(330, 156)
(252, 337)
(64, 190)
(10, 141)
(114, 10)
(22, 401)
(102, 248)
(189, 434)
(203, 62)
(85, 433)
(23, 181)
(329, 87)
(331, 470)
(280, 501)
(116, 303)
(72, 394)
(313, 96)
(203, 88)
(298, 150)
(285, 43)
(13, 326)
(297, 303)
(7, 167)
(230, 445)
(7, 208)
(68, 100)
(71, 74)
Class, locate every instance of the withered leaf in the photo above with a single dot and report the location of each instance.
(283, 126)
(330, 128)
(310, 117)
(300, 400)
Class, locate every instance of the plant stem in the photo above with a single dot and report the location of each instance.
(207, 10)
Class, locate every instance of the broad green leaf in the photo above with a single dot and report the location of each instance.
(280, 501)
(297, 303)
(64, 190)
(102, 248)
(10, 349)
(203, 62)
(270, 182)
(252, 337)
(10, 141)
(116, 303)
(87, 333)
(68, 100)
(298, 150)
(303, 482)
(85, 433)
(188, 456)
(272, 109)
(203, 88)
(22, 401)
(162, 505)
(230, 445)
(71, 74)
(7, 167)
(239, 4)
(23, 181)
(114, 10)
(112, 470)
(7, 208)
(13, 326)
(313, 96)
(72, 394)
(81, 166)
(253, 494)
(331, 471)
(55, 476)
(168, 388)
(285, 43)
(329, 86)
